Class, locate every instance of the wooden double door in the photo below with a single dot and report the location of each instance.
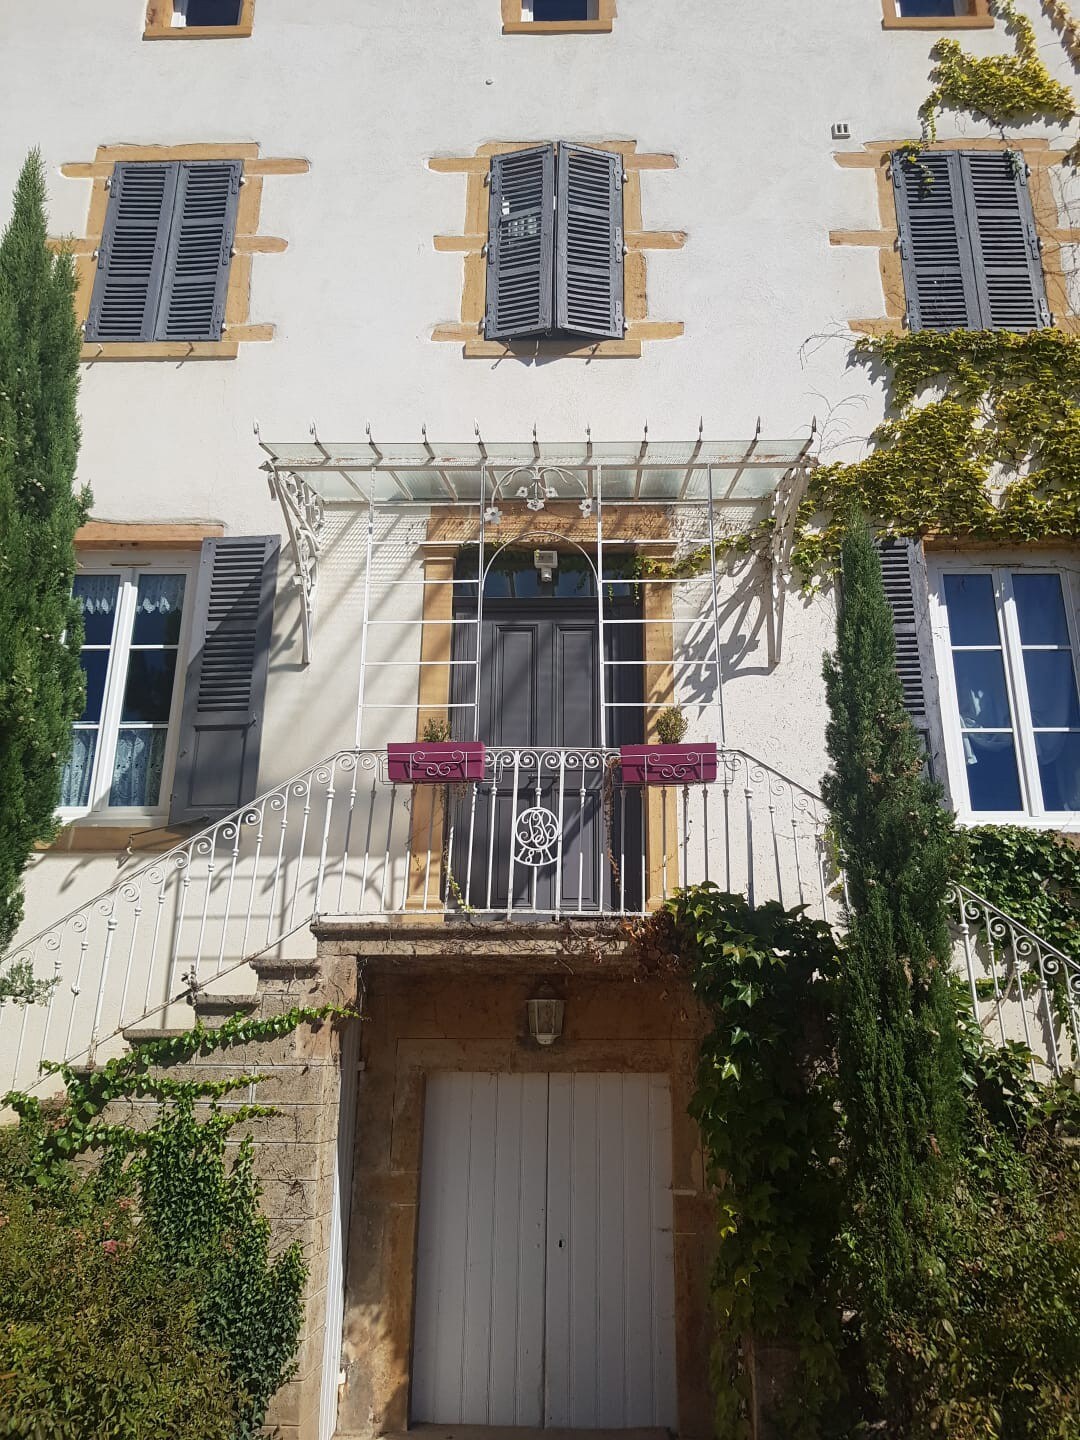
(545, 1284)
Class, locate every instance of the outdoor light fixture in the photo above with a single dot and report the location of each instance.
(546, 562)
(545, 1020)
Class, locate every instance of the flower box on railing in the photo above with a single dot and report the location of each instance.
(668, 764)
(435, 763)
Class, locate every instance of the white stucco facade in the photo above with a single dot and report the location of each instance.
(744, 95)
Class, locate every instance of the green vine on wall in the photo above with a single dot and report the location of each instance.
(993, 455)
(766, 1106)
(1004, 89)
(1033, 875)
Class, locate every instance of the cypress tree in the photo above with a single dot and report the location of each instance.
(41, 685)
(899, 1068)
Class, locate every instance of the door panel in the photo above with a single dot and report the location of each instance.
(539, 690)
(478, 1346)
(610, 1280)
(545, 1260)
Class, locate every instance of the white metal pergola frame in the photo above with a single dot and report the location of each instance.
(733, 485)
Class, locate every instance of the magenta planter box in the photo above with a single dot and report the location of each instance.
(667, 764)
(422, 763)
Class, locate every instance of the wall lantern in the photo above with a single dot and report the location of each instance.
(546, 1020)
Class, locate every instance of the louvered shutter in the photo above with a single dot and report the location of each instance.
(217, 762)
(939, 271)
(897, 557)
(589, 242)
(521, 238)
(131, 260)
(200, 249)
(1004, 242)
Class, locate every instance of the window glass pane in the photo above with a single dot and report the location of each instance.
(980, 689)
(1051, 688)
(1059, 769)
(969, 600)
(1040, 608)
(560, 9)
(158, 610)
(148, 692)
(75, 783)
(95, 664)
(910, 9)
(96, 596)
(140, 755)
(993, 781)
(213, 12)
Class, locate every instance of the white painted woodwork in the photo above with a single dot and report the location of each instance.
(339, 1227)
(545, 1262)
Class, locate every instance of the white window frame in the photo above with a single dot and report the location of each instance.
(129, 568)
(1001, 566)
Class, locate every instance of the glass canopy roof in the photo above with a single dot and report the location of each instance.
(645, 470)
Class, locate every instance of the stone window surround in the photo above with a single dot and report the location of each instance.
(876, 156)
(513, 24)
(562, 528)
(470, 330)
(978, 18)
(247, 243)
(159, 24)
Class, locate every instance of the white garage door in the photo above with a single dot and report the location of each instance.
(545, 1290)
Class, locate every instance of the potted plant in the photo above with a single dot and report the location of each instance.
(435, 759)
(670, 762)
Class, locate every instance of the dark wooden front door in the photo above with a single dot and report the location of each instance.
(550, 814)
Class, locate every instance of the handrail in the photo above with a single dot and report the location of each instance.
(547, 832)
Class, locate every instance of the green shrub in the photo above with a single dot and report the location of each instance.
(180, 1323)
(99, 1336)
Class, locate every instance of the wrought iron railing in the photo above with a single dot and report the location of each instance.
(1022, 987)
(546, 833)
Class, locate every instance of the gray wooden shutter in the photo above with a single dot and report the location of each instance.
(897, 557)
(521, 241)
(1004, 242)
(939, 270)
(200, 250)
(589, 242)
(217, 765)
(131, 260)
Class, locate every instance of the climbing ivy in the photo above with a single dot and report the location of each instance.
(994, 455)
(200, 1236)
(766, 1106)
(1005, 89)
(1033, 875)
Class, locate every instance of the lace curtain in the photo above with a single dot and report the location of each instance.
(136, 779)
(97, 594)
(161, 593)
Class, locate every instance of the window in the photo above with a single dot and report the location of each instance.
(133, 623)
(968, 244)
(912, 8)
(198, 19)
(206, 12)
(555, 244)
(548, 10)
(554, 17)
(936, 14)
(163, 265)
(1007, 661)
